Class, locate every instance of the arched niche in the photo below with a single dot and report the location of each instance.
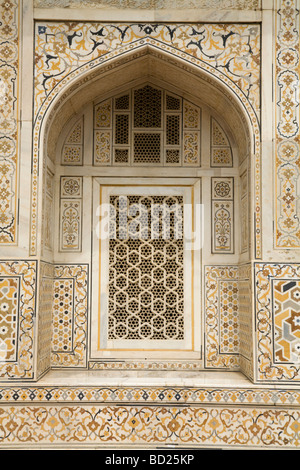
(145, 65)
(189, 82)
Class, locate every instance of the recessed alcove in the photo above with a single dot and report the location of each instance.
(135, 104)
(213, 327)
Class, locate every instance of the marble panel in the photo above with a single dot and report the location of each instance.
(70, 217)
(221, 317)
(277, 316)
(48, 213)
(70, 316)
(9, 119)
(108, 426)
(286, 295)
(18, 303)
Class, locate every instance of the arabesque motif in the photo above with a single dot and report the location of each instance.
(273, 366)
(9, 117)
(70, 302)
(23, 273)
(111, 425)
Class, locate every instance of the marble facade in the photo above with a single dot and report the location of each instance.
(66, 71)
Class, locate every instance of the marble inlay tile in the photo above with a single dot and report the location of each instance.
(286, 294)
(9, 305)
(277, 317)
(17, 311)
(70, 311)
(70, 213)
(221, 317)
(102, 425)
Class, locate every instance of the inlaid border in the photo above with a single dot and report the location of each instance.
(78, 309)
(166, 395)
(214, 276)
(99, 426)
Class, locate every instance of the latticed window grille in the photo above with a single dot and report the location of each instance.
(147, 126)
(146, 274)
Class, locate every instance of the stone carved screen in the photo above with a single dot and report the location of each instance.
(148, 275)
(147, 126)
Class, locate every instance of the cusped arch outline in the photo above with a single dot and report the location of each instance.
(61, 100)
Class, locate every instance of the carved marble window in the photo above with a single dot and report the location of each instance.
(148, 276)
(147, 126)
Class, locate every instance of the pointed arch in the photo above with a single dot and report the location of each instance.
(149, 59)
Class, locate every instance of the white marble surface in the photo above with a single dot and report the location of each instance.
(148, 16)
(145, 378)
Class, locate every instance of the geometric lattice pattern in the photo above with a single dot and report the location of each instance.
(147, 107)
(62, 321)
(147, 148)
(145, 276)
(69, 322)
(287, 320)
(221, 317)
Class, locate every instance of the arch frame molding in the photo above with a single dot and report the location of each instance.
(75, 76)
